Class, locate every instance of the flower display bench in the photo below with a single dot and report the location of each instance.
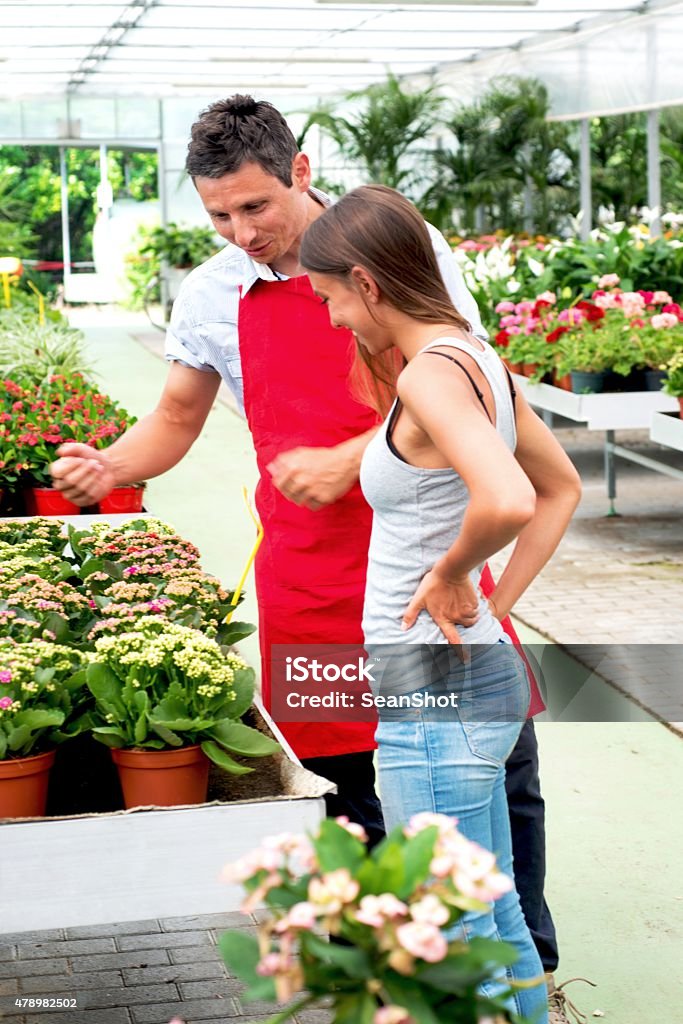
(608, 412)
(72, 869)
(667, 429)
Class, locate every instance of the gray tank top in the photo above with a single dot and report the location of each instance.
(418, 514)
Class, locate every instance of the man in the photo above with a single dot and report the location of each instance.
(249, 316)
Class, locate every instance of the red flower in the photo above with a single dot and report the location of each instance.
(502, 339)
(539, 306)
(590, 310)
(637, 322)
(673, 307)
(557, 333)
(647, 296)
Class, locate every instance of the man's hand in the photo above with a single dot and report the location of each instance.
(314, 477)
(82, 473)
(449, 602)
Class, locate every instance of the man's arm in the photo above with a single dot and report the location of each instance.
(314, 477)
(155, 444)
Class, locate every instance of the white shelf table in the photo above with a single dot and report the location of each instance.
(609, 412)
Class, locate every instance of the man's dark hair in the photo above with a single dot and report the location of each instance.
(241, 130)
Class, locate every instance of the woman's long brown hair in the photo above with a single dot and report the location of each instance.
(377, 228)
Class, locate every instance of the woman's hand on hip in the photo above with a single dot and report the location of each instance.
(449, 602)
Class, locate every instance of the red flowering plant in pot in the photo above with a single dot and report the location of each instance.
(53, 413)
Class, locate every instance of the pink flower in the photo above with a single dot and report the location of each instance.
(514, 330)
(512, 318)
(549, 297)
(329, 893)
(422, 940)
(632, 303)
(505, 307)
(273, 963)
(430, 910)
(673, 307)
(663, 320)
(425, 819)
(609, 281)
(301, 915)
(376, 910)
(570, 316)
(5, 676)
(5, 702)
(605, 301)
(524, 307)
(660, 298)
(392, 1014)
(352, 828)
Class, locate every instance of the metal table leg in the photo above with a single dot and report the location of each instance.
(610, 472)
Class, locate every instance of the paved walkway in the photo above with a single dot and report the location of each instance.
(613, 789)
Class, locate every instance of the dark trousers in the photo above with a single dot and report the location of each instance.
(354, 777)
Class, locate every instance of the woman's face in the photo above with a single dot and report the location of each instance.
(349, 308)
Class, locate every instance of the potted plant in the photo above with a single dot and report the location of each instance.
(47, 416)
(43, 702)
(673, 384)
(389, 912)
(176, 249)
(168, 700)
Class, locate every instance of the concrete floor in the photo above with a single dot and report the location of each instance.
(613, 789)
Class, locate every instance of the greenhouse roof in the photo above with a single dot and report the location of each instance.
(307, 48)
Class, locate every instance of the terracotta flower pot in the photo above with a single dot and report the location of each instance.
(162, 778)
(565, 382)
(122, 499)
(23, 785)
(680, 406)
(528, 369)
(47, 501)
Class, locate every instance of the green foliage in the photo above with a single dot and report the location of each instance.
(386, 135)
(32, 187)
(176, 246)
(31, 353)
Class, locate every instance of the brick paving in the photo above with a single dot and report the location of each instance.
(140, 972)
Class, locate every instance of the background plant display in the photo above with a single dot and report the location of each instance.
(176, 245)
(616, 330)
(391, 908)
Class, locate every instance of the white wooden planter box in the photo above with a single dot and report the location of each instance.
(62, 872)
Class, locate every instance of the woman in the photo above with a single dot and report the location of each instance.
(460, 468)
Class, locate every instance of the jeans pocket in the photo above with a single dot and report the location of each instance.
(492, 742)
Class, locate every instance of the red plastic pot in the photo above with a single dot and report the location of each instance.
(23, 785)
(122, 499)
(162, 778)
(47, 501)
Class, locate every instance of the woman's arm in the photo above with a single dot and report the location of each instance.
(558, 491)
(502, 501)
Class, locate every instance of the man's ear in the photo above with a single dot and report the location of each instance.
(366, 284)
(301, 172)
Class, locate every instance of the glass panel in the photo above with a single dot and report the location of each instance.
(139, 120)
(45, 118)
(10, 120)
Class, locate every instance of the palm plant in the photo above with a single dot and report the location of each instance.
(386, 134)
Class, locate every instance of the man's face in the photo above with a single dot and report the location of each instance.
(255, 211)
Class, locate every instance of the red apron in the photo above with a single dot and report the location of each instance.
(311, 567)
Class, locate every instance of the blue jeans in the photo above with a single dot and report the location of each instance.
(454, 764)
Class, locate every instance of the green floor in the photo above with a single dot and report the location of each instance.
(614, 791)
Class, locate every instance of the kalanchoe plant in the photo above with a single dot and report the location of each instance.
(160, 685)
(673, 385)
(30, 606)
(43, 698)
(392, 908)
(41, 532)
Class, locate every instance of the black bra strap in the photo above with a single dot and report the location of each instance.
(478, 393)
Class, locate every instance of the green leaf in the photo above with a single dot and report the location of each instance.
(418, 854)
(110, 735)
(241, 954)
(243, 687)
(337, 848)
(242, 739)
(169, 738)
(104, 684)
(358, 1008)
(230, 633)
(170, 707)
(354, 962)
(223, 760)
(406, 992)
